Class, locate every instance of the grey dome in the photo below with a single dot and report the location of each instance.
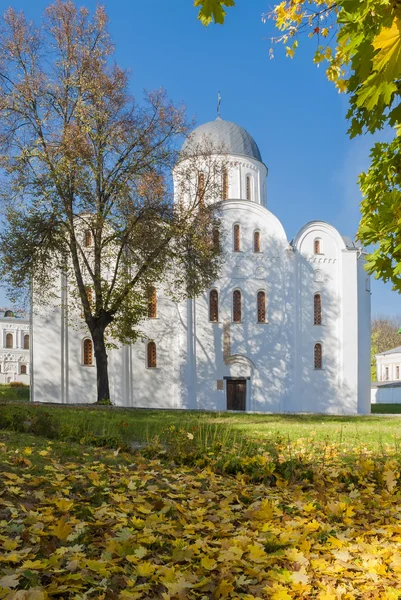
(235, 138)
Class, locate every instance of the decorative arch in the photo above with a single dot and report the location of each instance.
(87, 352)
(318, 356)
(214, 306)
(151, 355)
(237, 306)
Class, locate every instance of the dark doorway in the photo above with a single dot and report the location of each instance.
(236, 394)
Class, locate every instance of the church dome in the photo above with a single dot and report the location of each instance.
(220, 132)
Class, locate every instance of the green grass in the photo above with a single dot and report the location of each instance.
(14, 394)
(113, 427)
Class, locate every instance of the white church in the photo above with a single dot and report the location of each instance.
(286, 328)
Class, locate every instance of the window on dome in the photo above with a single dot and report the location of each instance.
(256, 241)
(87, 352)
(9, 340)
(151, 355)
(214, 306)
(318, 356)
(261, 307)
(317, 309)
(248, 187)
(237, 306)
(26, 342)
(317, 247)
(152, 303)
(237, 238)
(201, 188)
(225, 185)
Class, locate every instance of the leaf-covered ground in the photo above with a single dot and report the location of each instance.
(81, 523)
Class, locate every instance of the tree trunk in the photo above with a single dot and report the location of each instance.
(103, 389)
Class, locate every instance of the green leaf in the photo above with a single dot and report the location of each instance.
(212, 10)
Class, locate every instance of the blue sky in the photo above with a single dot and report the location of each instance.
(296, 116)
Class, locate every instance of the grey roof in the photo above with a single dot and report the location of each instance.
(392, 351)
(235, 138)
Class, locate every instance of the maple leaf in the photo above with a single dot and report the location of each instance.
(223, 589)
(10, 581)
(145, 569)
(388, 44)
(208, 563)
(63, 529)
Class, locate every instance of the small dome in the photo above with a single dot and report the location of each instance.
(235, 138)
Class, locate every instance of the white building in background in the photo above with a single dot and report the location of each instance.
(387, 389)
(14, 347)
(286, 328)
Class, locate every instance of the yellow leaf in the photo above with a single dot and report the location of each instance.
(64, 505)
(388, 42)
(223, 589)
(208, 563)
(10, 545)
(257, 552)
(27, 451)
(390, 477)
(145, 569)
(9, 581)
(63, 529)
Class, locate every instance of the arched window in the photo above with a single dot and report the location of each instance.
(216, 239)
(248, 187)
(237, 238)
(26, 342)
(152, 303)
(317, 309)
(225, 185)
(214, 306)
(9, 340)
(317, 247)
(23, 369)
(151, 355)
(261, 307)
(88, 238)
(88, 352)
(201, 188)
(237, 306)
(9, 313)
(256, 241)
(318, 356)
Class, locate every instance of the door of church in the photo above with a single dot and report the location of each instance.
(236, 394)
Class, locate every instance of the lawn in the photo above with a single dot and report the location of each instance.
(79, 522)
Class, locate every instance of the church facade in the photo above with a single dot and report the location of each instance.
(286, 328)
(14, 347)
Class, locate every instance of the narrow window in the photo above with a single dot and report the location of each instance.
(216, 239)
(397, 372)
(237, 239)
(152, 303)
(261, 307)
(89, 295)
(9, 340)
(256, 241)
(23, 369)
(318, 356)
(26, 342)
(201, 188)
(386, 374)
(225, 184)
(317, 309)
(88, 238)
(214, 306)
(151, 355)
(317, 246)
(248, 187)
(88, 352)
(237, 306)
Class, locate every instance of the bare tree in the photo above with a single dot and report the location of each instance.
(87, 179)
(385, 336)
